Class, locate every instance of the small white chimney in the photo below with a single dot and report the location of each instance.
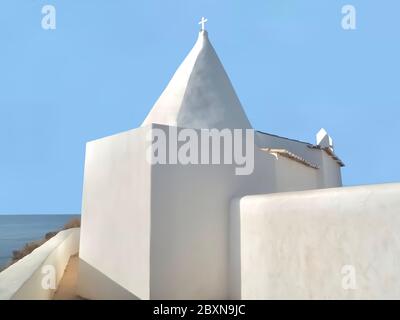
(324, 140)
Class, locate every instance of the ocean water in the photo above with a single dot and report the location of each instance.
(16, 230)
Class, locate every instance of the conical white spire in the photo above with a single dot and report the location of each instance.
(200, 94)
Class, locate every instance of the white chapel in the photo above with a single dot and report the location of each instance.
(201, 231)
(195, 203)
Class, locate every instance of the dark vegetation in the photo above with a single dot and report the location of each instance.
(30, 246)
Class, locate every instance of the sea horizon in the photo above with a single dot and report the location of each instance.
(18, 229)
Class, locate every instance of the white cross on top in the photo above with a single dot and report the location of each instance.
(203, 22)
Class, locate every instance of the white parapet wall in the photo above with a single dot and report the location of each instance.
(30, 277)
(339, 243)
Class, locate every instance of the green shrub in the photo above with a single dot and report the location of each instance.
(30, 246)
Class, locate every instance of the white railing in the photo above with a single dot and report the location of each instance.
(37, 275)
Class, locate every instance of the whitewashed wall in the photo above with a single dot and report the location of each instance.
(190, 210)
(329, 174)
(23, 279)
(294, 245)
(300, 148)
(115, 237)
(292, 176)
(161, 231)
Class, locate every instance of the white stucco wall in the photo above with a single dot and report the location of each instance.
(161, 231)
(300, 148)
(294, 245)
(23, 279)
(115, 237)
(189, 232)
(190, 220)
(94, 284)
(330, 176)
(292, 175)
(329, 173)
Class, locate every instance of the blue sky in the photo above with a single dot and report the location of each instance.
(293, 66)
